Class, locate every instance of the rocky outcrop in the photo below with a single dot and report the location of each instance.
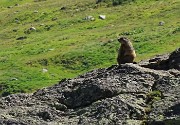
(163, 62)
(131, 94)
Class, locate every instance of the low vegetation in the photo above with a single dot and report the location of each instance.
(114, 2)
(44, 41)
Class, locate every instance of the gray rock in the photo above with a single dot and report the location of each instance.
(10, 7)
(174, 60)
(163, 62)
(90, 18)
(54, 18)
(161, 23)
(21, 38)
(63, 8)
(35, 11)
(119, 95)
(30, 30)
(17, 21)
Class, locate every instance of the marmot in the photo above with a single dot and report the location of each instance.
(126, 52)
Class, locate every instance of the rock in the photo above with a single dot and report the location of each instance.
(51, 49)
(10, 7)
(103, 17)
(55, 18)
(59, 106)
(77, 10)
(167, 109)
(174, 60)
(35, 11)
(163, 62)
(17, 20)
(32, 28)
(42, 24)
(15, 30)
(161, 23)
(14, 79)
(16, 4)
(63, 8)
(16, 12)
(21, 38)
(44, 70)
(118, 95)
(90, 18)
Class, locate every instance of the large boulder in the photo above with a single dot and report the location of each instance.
(163, 62)
(119, 95)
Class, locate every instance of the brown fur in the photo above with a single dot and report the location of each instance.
(126, 52)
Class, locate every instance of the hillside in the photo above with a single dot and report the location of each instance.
(44, 41)
(127, 95)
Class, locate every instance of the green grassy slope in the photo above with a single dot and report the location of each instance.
(66, 45)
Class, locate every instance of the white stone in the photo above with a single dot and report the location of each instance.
(91, 18)
(35, 11)
(44, 70)
(32, 28)
(103, 17)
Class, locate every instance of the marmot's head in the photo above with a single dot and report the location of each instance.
(123, 40)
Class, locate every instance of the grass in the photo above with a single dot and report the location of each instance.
(67, 45)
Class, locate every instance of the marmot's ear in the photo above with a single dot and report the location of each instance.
(119, 39)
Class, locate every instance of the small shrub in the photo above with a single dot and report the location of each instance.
(99, 1)
(154, 96)
(114, 2)
(134, 31)
(176, 30)
(43, 62)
